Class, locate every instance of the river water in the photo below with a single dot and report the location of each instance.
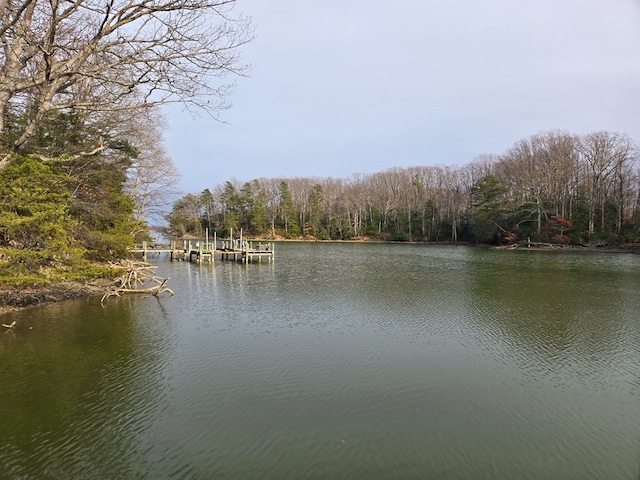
(341, 361)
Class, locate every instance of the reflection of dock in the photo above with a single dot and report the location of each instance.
(200, 252)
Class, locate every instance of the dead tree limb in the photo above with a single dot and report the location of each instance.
(136, 276)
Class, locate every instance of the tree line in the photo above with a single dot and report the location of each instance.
(82, 162)
(551, 187)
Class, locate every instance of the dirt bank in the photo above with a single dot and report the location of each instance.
(13, 298)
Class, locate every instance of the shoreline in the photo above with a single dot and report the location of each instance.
(12, 299)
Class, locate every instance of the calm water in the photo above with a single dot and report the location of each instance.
(338, 361)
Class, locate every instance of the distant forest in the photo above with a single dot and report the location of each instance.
(551, 187)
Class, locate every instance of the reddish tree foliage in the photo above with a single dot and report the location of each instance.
(556, 228)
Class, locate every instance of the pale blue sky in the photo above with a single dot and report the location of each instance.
(352, 86)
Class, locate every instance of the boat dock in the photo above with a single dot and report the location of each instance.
(200, 252)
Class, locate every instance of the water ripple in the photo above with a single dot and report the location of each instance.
(338, 361)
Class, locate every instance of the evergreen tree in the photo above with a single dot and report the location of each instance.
(35, 205)
(488, 213)
(258, 219)
(231, 209)
(288, 212)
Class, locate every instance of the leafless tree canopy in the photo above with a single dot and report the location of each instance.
(152, 177)
(106, 55)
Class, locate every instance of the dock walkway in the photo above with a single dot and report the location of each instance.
(200, 252)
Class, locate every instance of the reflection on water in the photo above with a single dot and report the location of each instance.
(561, 308)
(336, 361)
(79, 382)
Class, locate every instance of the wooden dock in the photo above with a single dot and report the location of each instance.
(201, 252)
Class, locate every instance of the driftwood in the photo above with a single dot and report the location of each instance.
(542, 246)
(135, 280)
(11, 325)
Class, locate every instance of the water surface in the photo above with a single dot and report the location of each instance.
(336, 361)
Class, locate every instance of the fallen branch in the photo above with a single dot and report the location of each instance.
(11, 325)
(133, 280)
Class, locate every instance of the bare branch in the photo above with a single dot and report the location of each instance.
(125, 55)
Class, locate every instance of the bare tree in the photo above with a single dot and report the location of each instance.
(560, 168)
(115, 55)
(605, 155)
(152, 177)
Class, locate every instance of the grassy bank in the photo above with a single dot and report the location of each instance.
(32, 278)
